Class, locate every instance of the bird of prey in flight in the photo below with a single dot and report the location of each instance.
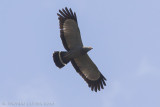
(75, 52)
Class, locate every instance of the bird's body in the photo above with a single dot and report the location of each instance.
(76, 53)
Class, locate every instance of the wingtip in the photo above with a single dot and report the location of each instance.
(66, 8)
(67, 14)
(99, 84)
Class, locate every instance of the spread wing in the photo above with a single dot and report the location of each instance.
(89, 71)
(69, 30)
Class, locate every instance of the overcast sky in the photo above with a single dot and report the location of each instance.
(124, 34)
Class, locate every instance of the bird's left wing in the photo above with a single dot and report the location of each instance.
(70, 33)
(89, 71)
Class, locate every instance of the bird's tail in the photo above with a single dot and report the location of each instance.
(59, 59)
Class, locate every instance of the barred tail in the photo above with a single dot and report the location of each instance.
(59, 60)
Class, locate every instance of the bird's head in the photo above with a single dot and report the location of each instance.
(86, 49)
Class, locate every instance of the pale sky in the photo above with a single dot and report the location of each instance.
(124, 34)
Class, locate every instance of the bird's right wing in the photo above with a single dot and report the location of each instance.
(70, 33)
(89, 71)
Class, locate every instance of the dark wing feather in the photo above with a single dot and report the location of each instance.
(90, 73)
(69, 30)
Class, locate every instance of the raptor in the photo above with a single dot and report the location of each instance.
(75, 52)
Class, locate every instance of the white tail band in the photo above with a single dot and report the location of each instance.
(61, 58)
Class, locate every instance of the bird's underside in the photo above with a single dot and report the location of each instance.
(76, 53)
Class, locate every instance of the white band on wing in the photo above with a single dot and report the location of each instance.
(61, 59)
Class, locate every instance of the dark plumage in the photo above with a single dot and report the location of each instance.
(76, 52)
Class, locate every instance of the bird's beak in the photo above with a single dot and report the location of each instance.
(90, 48)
